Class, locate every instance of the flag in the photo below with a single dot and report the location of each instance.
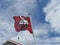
(22, 23)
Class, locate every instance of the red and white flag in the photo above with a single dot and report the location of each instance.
(22, 23)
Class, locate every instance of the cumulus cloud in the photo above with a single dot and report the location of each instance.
(53, 10)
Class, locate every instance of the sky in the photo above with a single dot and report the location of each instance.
(44, 17)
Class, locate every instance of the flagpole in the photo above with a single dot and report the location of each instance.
(28, 42)
(32, 30)
(34, 38)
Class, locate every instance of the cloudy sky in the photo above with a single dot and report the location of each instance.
(45, 20)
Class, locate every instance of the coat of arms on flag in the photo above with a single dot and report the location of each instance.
(22, 23)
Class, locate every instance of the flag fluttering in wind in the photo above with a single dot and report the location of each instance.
(22, 23)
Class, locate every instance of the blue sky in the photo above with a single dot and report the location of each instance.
(44, 25)
(39, 14)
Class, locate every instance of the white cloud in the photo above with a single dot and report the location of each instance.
(19, 7)
(51, 5)
(53, 10)
(6, 30)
